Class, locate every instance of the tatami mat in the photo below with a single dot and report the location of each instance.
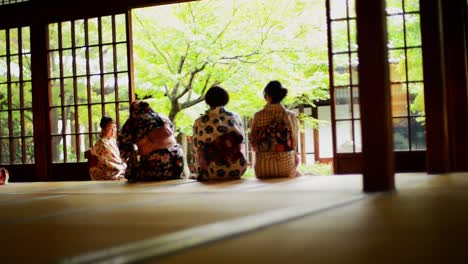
(73, 221)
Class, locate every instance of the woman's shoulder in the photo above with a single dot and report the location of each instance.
(103, 142)
(99, 142)
(230, 114)
(226, 112)
(99, 146)
(260, 112)
(202, 119)
(163, 117)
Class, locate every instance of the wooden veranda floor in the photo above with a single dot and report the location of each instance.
(310, 219)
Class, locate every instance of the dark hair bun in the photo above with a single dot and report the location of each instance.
(216, 96)
(276, 91)
(105, 120)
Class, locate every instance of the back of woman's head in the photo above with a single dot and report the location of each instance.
(276, 91)
(216, 96)
(139, 107)
(105, 120)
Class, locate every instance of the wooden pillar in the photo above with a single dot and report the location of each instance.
(40, 100)
(374, 96)
(316, 135)
(302, 138)
(435, 93)
(456, 81)
(130, 56)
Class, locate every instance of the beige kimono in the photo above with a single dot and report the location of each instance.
(109, 164)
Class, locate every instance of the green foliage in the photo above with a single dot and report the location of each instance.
(417, 106)
(400, 140)
(16, 125)
(249, 173)
(320, 169)
(307, 121)
(181, 50)
(406, 65)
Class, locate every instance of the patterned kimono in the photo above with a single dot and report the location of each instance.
(217, 137)
(4, 176)
(160, 164)
(274, 139)
(109, 165)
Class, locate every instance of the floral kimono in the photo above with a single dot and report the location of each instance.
(109, 165)
(217, 137)
(4, 176)
(274, 139)
(165, 163)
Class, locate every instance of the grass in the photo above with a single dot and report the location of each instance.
(318, 168)
(249, 173)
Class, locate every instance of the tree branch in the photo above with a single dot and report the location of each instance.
(188, 87)
(263, 54)
(240, 56)
(265, 34)
(205, 86)
(166, 91)
(174, 90)
(191, 13)
(182, 59)
(192, 102)
(225, 28)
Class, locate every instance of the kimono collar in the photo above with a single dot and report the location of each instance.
(216, 110)
(273, 107)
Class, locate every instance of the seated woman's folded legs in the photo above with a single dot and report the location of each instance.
(161, 164)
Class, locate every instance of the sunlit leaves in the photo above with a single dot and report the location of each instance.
(240, 45)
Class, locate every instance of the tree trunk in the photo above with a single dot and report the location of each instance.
(183, 142)
(175, 109)
(181, 138)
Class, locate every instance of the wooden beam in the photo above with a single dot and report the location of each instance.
(316, 135)
(374, 95)
(456, 81)
(302, 138)
(131, 73)
(40, 100)
(336, 159)
(25, 13)
(435, 93)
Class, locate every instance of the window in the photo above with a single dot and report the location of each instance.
(406, 74)
(344, 82)
(406, 77)
(16, 118)
(89, 77)
(9, 2)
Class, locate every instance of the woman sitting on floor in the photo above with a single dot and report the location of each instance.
(159, 157)
(273, 136)
(107, 164)
(217, 138)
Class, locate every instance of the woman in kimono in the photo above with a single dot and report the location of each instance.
(158, 156)
(217, 138)
(273, 136)
(107, 164)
